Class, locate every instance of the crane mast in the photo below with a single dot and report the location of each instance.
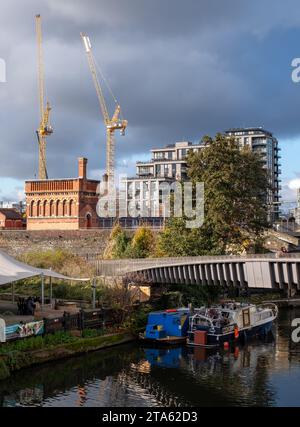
(111, 124)
(44, 129)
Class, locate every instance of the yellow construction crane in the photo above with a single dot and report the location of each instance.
(45, 128)
(111, 124)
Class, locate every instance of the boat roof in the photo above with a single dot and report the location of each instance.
(171, 311)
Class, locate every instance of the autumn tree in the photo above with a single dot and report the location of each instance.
(143, 243)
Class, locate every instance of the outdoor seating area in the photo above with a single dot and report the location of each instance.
(26, 316)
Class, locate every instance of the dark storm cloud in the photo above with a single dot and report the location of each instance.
(180, 69)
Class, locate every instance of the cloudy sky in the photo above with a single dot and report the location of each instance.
(180, 70)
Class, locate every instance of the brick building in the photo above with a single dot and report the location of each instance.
(62, 204)
(10, 219)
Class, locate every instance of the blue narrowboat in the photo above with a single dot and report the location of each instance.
(167, 327)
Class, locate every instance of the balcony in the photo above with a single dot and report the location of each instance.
(146, 174)
(164, 160)
(148, 162)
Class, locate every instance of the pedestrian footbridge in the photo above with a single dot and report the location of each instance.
(270, 271)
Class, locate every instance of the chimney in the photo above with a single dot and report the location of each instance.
(82, 162)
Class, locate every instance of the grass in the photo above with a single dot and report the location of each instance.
(24, 353)
(37, 343)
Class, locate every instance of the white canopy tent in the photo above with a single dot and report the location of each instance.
(12, 270)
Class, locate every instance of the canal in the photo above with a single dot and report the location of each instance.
(257, 374)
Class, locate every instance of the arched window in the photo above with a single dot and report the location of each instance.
(88, 220)
(71, 208)
(31, 211)
(64, 208)
(38, 208)
(45, 208)
(57, 210)
(51, 208)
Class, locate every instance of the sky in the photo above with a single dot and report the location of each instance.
(179, 69)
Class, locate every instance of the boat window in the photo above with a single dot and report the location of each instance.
(246, 317)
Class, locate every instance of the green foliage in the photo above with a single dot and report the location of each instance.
(139, 318)
(16, 360)
(183, 295)
(120, 245)
(59, 338)
(25, 344)
(4, 371)
(36, 343)
(91, 333)
(58, 260)
(170, 299)
(178, 240)
(75, 292)
(235, 210)
(143, 243)
(20, 354)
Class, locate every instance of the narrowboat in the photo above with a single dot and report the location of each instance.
(168, 327)
(229, 322)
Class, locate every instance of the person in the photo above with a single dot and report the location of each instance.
(20, 306)
(30, 306)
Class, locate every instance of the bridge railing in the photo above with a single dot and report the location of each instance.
(123, 266)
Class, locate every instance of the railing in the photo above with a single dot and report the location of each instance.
(84, 319)
(121, 267)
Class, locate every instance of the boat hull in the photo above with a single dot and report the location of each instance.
(162, 342)
(214, 340)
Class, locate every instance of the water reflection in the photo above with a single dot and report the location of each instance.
(258, 374)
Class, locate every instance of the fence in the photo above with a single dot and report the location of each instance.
(85, 319)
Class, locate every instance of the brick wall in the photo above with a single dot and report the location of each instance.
(76, 241)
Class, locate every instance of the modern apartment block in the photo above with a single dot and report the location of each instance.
(266, 145)
(296, 211)
(168, 162)
(167, 165)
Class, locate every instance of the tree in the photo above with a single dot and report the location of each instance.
(118, 244)
(235, 206)
(178, 240)
(143, 243)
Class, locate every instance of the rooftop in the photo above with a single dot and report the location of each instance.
(59, 180)
(10, 213)
(257, 129)
(179, 144)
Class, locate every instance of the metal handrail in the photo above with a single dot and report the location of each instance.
(271, 306)
(201, 316)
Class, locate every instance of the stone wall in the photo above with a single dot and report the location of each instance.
(80, 242)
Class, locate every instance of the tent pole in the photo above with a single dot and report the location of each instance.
(13, 292)
(94, 293)
(51, 290)
(43, 289)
